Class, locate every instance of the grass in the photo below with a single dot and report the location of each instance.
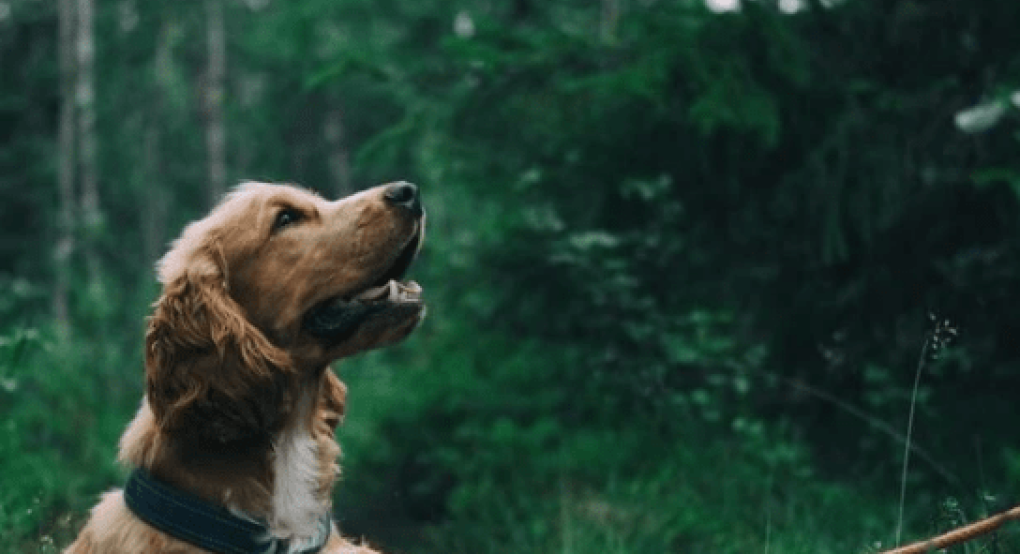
(62, 410)
(701, 499)
(626, 489)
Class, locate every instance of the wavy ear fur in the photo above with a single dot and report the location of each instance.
(210, 373)
(334, 399)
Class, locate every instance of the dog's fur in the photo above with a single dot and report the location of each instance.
(240, 403)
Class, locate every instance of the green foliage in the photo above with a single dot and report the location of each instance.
(536, 470)
(699, 208)
(63, 402)
(662, 241)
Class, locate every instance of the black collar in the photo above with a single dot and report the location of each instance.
(192, 519)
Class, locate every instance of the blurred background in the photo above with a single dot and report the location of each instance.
(700, 275)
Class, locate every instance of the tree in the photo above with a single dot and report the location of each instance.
(88, 141)
(337, 157)
(216, 69)
(66, 161)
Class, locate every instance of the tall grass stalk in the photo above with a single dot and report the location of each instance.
(910, 431)
(936, 340)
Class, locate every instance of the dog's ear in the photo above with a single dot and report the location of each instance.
(209, 372)
(333, 399)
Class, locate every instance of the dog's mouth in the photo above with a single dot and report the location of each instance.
(338, 317)
(388, 287)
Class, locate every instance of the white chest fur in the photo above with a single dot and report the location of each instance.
(296, 506)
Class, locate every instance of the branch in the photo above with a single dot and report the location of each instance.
(957, 536)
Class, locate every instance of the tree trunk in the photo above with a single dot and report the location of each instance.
(215, 135)
(156, 203)
(66, 163)
(610, 18)
(250, 96)
(337, 159)
(156, 200)
(90, 211)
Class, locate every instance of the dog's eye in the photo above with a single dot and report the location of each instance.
(287, 216)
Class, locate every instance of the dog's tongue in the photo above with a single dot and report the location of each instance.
(392, 291)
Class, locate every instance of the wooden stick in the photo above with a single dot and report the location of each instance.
(957, 536)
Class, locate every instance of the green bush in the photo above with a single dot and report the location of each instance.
(64, 400)
(492, 456)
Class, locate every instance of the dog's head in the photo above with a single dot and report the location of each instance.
(268, 289)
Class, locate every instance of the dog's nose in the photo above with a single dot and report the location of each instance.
(405, 195)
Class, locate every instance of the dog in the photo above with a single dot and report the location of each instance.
(233, 448)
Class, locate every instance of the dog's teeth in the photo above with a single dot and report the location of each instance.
(392, 291)
(375, 293)
(410, 291)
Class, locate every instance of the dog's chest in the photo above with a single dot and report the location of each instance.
(296, 506)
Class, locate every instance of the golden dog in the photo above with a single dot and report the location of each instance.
(233, 447)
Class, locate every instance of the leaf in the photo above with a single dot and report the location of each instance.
(980, 118)
(993, 175)
(983, 178)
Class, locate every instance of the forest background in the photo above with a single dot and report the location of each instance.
(697, 273)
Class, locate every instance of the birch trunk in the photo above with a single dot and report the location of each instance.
(66, 161)
(250, 96)
(156, 201)
(337, 158)
(157, 198)
(215, 134)
(90, 211)
(610, 18)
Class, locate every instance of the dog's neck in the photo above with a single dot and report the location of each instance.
(283, 478)
(296, 504)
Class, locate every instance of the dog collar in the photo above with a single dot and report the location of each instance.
(209, 526)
